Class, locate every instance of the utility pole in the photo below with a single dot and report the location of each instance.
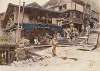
(18, 31)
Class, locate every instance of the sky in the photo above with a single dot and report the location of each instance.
(4, 3)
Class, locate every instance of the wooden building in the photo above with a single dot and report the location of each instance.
(78, 12)
(55, 12)
(30, 15)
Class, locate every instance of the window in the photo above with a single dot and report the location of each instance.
(79, 7)
(30, 18)
(73, 6)
(69, 6)
(67, 15)
(64, 6)
(57, 9)
(60, 8)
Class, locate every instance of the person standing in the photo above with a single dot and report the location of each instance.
(54, 45)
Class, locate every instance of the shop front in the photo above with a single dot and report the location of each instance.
(40, 32)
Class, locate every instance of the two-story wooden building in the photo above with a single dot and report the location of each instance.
(77, 11)
(35, 21)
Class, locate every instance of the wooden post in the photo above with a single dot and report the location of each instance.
(75, 6)
(98, 38)
(84, 12)
(23, 12)
(98, 43)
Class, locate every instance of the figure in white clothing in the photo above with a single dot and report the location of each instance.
(36, 41)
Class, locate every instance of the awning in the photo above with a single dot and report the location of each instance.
(50, 27)
(29, 27)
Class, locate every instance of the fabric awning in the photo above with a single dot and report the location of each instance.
(50, 27)
(31, 26)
